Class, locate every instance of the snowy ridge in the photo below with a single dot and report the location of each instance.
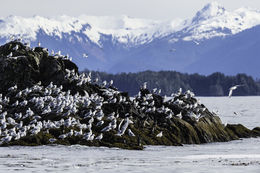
(123, 29)
(212, 21)
(125, 44)
(210, 10)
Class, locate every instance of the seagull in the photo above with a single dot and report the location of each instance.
(169, 116)
(100, 123)
(111, 116)
(85, 55)
(130, 133)
(99, 137)
(24, 103)
(11, 121)
(111, 82)
(96, 80)
(29, 112)
(10, 55)
(51, 140)
(197, 43)
(12, 88)
(6, 139)
(16, 47)
(124, 126)
(180, 91)
(104, 83)
(39, 44)
(63, 136)
(144, 85)
(159, 135)
(18, 115)
(107, 128)
(231, 90)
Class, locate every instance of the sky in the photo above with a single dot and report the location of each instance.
(151, 9)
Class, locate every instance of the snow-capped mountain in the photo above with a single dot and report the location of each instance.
(213, 40)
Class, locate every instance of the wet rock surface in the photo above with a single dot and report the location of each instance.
(45, 100)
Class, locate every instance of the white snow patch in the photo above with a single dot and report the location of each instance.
(123, 28)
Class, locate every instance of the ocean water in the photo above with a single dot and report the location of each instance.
(244, 110)
(235, 156)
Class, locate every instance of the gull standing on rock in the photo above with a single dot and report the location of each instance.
(144, 85)
(111, 82)
(99, 137)
(159, 135)
(130, 133)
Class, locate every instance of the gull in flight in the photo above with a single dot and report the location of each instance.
(85, 55)
(39, 44)
(231, 90)
(197, 43)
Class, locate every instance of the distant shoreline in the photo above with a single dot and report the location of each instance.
(216, 84)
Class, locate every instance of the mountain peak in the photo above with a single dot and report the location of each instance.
(210, 10)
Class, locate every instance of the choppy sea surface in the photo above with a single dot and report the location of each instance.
(235, 156)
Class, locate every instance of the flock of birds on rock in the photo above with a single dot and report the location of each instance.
(27, 47)
(38, 109)
(72, 110)
(184, 101)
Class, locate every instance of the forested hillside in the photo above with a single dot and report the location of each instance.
(216, 84)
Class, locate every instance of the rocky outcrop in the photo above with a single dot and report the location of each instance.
(46, 101)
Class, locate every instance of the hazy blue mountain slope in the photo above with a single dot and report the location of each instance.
(213, 40)
(236, 54)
